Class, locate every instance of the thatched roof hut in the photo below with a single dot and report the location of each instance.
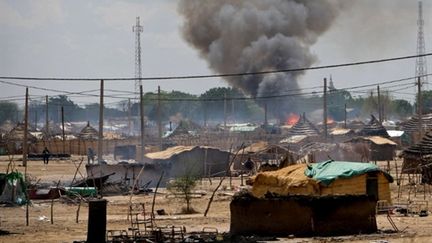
(418, 156)
(412, 125)
(379, 148)
(374, 128)
(186, 127)
(88, 133)
(303, 127)
(17, 134)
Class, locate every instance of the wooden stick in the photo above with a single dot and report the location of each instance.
(52, 205)
(220, 182)
(154, 195)
(79, 165)
(78, 211)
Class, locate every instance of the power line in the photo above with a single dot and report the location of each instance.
(223, 75)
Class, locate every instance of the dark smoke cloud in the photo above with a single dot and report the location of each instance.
(237, 36)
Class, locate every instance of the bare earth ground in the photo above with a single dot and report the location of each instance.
(65, 229)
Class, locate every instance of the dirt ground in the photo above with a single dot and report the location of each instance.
(65, 228)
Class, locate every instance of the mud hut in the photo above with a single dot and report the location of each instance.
(411, 126)
(199, 161)
(373, 128)
(380, 148)
(14, 139)
(264, 155)
(327, 198)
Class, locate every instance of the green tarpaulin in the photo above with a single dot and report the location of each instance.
(326, 172)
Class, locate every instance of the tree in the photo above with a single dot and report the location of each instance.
(8, 110)
(184, 185)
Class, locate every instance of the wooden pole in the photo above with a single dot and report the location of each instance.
(159, 116)
(142, 123)
(265, 114)
(225, 112)
(325, 109)
(101, 120)
(46, 117)
(380, 118)
(345, 116)
(25, 151)
(419, 108)
(63, 130)
(204, 105)
(129, 118)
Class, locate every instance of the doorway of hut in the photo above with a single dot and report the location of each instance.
(372, 185)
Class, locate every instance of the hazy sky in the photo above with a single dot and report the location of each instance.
(84, 38)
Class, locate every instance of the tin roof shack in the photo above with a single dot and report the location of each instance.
(327, 198)
(417, 158)
(195, 160)
(264, 155)
(380, 149)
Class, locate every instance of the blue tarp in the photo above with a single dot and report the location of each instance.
(326, 172)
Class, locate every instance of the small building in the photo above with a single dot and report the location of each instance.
(327, 198)
(338, 134)
(411, 126)
(199, 161)
(88, 133)
(378, 148)
(416, 158)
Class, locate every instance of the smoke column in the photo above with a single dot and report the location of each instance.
(236, 36)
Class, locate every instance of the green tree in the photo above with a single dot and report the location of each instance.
(184, 185)
(8, 111)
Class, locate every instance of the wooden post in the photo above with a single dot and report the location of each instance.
(380, 118)
(204, 105)
(129, 118)
(265, 113)
(25, 150)
(225, 112)
(419, 109)
(159, 116)
(63, 130)
(345, 116)
(325, 109)
(46, 117)
(142, 123)
(101, 118)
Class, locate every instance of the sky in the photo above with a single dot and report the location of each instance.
(90, 38)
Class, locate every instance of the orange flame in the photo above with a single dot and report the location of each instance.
(330, 121)
(292, 119)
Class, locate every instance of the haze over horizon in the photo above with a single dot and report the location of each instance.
(49, 38)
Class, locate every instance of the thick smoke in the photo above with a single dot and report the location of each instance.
(237, 36)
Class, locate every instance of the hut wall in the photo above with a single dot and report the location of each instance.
(382, 152)
(357, 186)
(303, 216)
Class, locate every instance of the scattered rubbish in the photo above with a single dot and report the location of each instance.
(161, 212)
(43, 218)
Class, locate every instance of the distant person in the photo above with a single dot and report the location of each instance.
(249, 164)
(90, 155)
(45, 155)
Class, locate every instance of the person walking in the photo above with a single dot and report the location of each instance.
(45, 155)
(90, 155)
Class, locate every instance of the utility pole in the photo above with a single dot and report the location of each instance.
(46, 117)
(204, 106)
(225, 111)
(159, 116)
(265, 114)
(101, 120)
(232, 110)
(379, 105)
(36, 119)
(325, 109)
(129, 117)
(142, 123)
(63, 130)
(25, 149)
(419, 108)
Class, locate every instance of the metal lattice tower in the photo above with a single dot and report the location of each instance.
(138, 74)
(421, 64)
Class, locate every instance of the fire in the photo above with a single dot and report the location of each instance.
(330, 121)
(292, 119)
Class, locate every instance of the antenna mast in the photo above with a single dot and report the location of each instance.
(138, 74)
(421, 64)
